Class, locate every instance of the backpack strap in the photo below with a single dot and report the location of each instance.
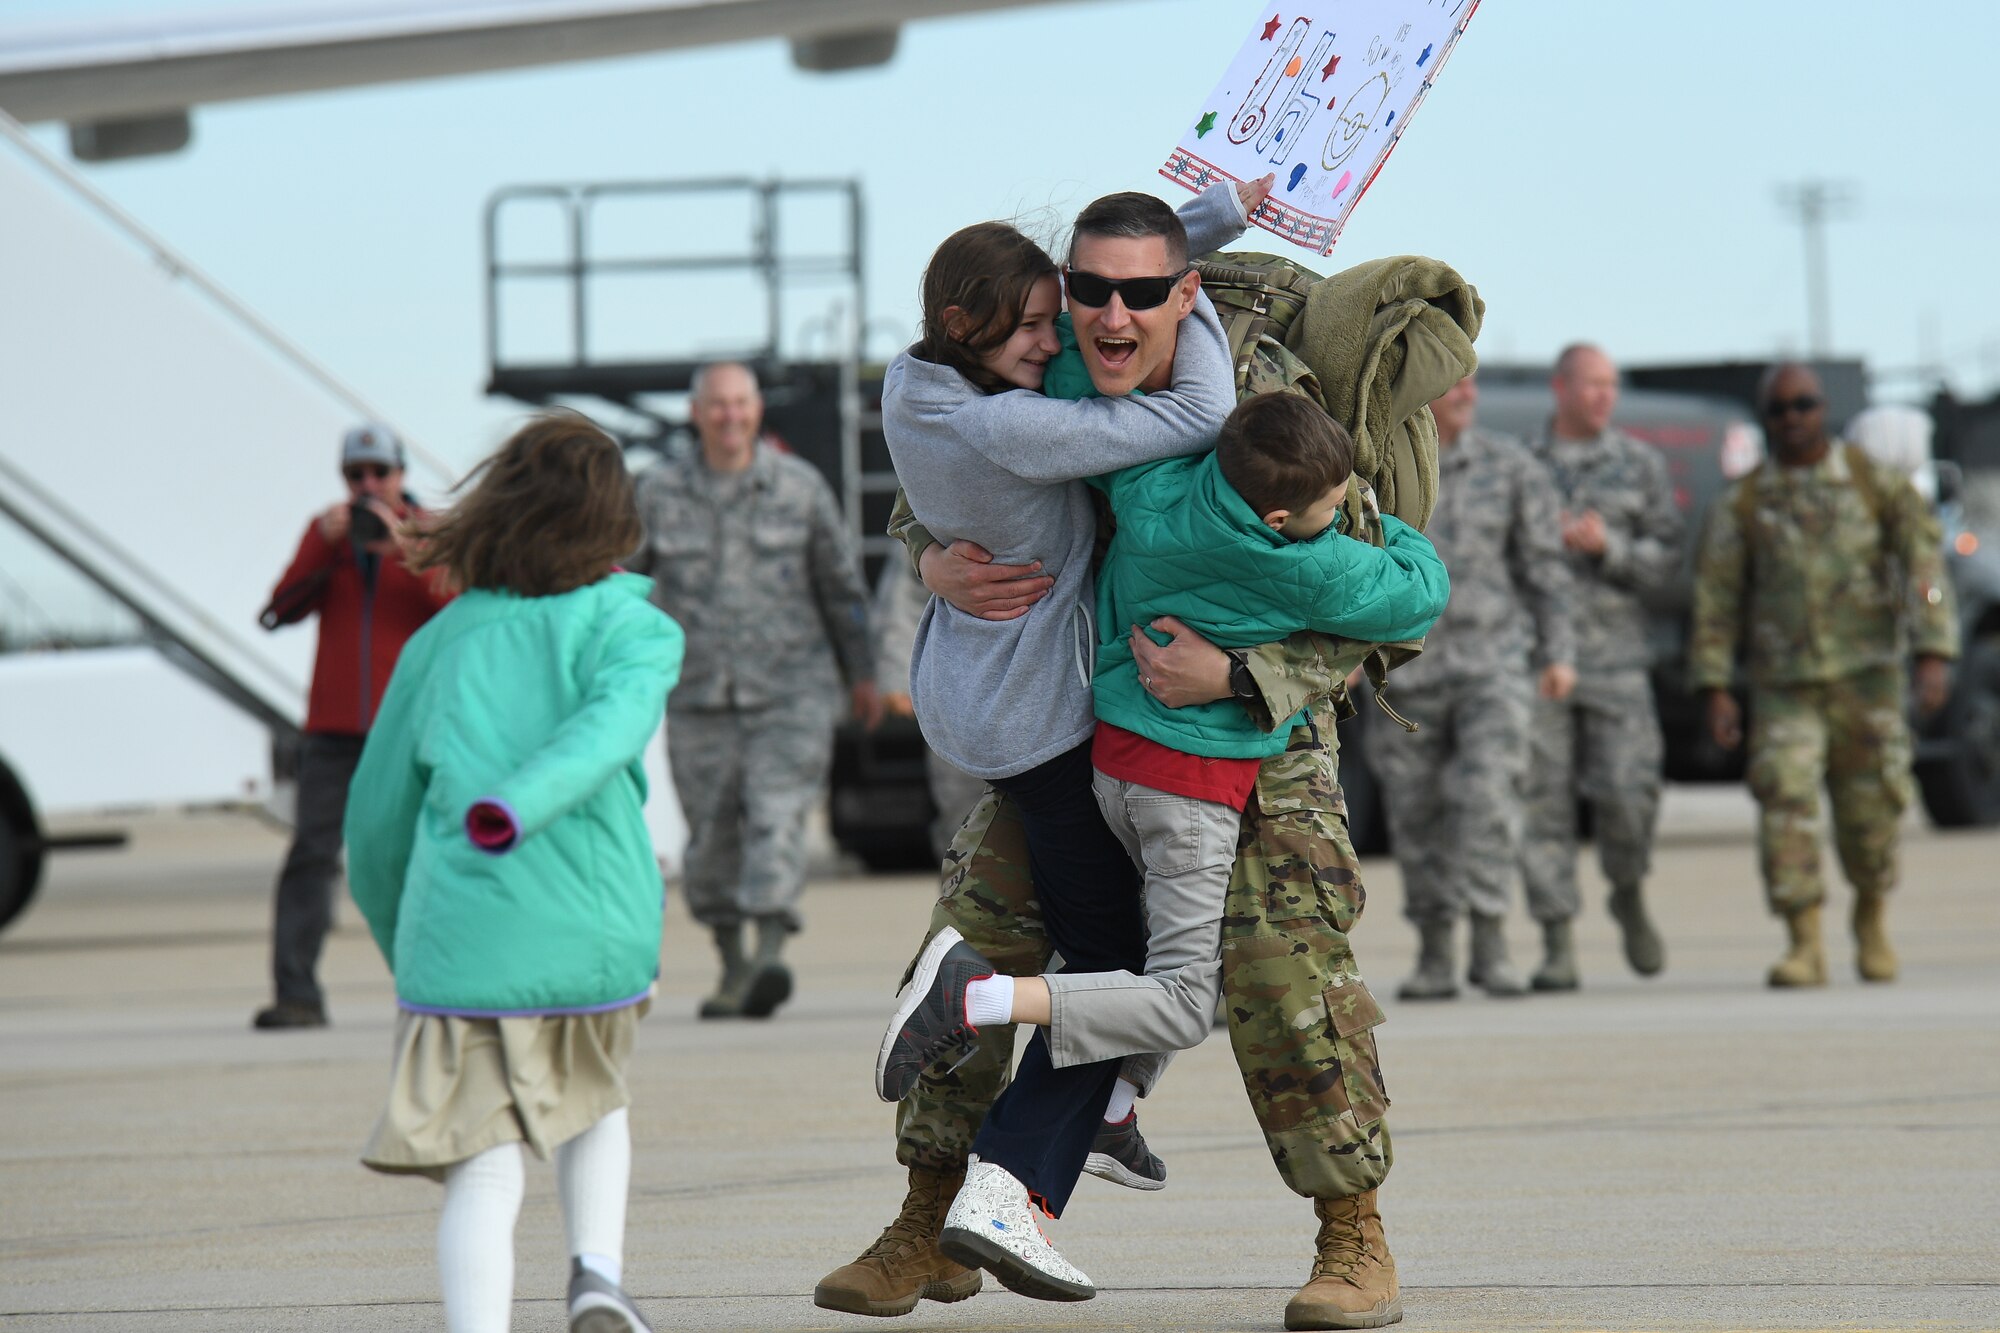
(1746, 501)
(1867, 484)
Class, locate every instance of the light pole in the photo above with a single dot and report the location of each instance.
(1813, 202)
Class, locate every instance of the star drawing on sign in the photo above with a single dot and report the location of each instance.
(1425, 56)
(1331, 66)
(1202, 178)
(1271, 28)
(1204, 125)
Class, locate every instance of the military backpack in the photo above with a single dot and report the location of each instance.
(1259, 297)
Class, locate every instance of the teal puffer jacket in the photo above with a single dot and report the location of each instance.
(1189, 546)
(544, 704)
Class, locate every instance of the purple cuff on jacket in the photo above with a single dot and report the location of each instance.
(493, 825)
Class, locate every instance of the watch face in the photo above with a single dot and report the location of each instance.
(1240, 683)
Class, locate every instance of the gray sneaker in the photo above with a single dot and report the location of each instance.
(597, 1306)
(1120, 1155)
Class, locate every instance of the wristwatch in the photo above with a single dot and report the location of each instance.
(1241, 684)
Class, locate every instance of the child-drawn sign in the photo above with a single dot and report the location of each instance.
(1288, 86)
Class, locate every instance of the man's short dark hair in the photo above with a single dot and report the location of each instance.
(1134, 216)
(1282, 451)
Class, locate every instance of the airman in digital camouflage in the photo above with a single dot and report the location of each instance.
(749, 554)
(1826, 570)
(1453, 788)
(1602, 744)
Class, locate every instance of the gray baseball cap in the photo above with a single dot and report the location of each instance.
(371, 443)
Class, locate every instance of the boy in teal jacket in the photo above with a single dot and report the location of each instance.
(1244, 546)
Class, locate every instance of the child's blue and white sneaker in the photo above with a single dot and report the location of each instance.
(992, 1226)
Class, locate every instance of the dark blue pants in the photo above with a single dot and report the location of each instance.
(1041, 1128)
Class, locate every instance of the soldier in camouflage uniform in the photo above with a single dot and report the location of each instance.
(1828, 569)
(1622, 532)
(1453, 787)
(748, 552)
(1301, 1018)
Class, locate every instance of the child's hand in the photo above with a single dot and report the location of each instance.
(1253, 193)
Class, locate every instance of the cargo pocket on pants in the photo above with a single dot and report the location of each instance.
(1353, 1014)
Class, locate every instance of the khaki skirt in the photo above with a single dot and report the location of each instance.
(463, 1085)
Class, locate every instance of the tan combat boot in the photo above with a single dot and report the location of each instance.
(1873, 956)
(904, 1266)
(1353, 1283)
(1804, 964)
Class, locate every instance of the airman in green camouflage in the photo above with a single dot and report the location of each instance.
(1300, 1016)
(1827, 570)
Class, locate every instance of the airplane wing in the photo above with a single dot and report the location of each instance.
(125, 86)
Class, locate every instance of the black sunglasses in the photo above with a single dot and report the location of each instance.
(1137, 293)
(1802, 404)
(356, 471)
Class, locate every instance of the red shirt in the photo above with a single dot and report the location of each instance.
(1130, 757)
(362, 628)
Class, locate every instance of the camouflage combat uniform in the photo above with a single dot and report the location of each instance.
(1453, 787)
(759, 569)
(1603, 743)
(1826, 592)
(1301, 1018)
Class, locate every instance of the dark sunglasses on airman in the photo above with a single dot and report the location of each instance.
(1137, 293)
(1802, 404)
(356, 471)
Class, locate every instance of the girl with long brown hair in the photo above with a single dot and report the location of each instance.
(497, 849)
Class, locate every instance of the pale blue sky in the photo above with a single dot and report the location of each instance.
(1600, 168)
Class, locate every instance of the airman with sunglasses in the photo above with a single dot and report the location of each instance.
(350, 571)
(1827, 569)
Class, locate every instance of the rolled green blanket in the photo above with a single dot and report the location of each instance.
(1383, 339)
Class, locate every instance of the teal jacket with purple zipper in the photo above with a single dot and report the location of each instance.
(541, 706)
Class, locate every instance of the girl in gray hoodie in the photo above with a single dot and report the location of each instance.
(984, 457)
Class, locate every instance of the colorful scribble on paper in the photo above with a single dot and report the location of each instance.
(1320, 104)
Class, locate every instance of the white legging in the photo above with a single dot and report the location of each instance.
(482, 1199)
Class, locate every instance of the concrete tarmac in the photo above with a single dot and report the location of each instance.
(1691, 1152)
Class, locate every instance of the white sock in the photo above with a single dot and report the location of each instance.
(989, 1000)
(1123, 1093)
(593, 1175)
(482, 1197)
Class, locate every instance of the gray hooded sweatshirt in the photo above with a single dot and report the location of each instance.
(997, 698)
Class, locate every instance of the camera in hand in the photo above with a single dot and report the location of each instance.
(365, 524)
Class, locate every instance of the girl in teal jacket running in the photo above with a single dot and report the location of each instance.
(497, 849)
